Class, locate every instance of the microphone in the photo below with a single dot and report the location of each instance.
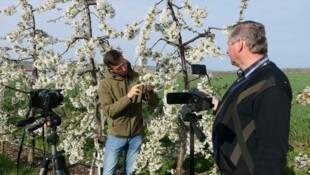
(25, 121)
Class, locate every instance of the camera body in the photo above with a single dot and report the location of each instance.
(197, 100)
(45, 99)
(201, 101)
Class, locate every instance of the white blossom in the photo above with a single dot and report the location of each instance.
(10, 10)
(131, 31)
(304, 96)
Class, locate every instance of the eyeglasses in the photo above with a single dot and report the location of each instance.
(233, 42)
(120, 67)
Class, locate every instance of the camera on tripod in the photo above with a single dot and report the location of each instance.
(45, 99)
(196, 100)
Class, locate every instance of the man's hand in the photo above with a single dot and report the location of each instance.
(135, 90)
(215, 101)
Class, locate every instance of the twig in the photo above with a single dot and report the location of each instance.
(14, 89)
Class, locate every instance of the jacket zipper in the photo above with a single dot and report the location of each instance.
(129, 108)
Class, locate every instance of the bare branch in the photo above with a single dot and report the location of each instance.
(201, 35)
(87, 71)
(14, 88)
(74, 40)
(167, 41)
(91, 2)
(176, 6)
(159, 2)
(55, 20)
(87, 11)
(175, 19)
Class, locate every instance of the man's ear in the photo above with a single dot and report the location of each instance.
(109, 69)
(241, 45)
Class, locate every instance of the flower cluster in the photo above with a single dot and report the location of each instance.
(304, 96)
(87, 50)
(11, 10)
(196, 13)
(150, 79)
(198, 52)
(152, 152)
(49, 5)
(172, 33)
(141, 50)
(105, 9)
(6, 128)
(302, 162)
(165, 16)
(131, 31)
(226, 29)
(73, 10)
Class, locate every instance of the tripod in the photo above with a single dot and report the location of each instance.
(96, 152)
(191, 117)
(56, 157)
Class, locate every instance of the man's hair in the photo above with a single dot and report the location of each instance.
(112, 57)
(254, 35)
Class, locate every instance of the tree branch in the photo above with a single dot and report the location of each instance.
(74, 40)
(167, 41)
(14, 89)
(201, 35)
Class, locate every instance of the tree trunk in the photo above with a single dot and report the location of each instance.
(2, 147)
(31, 150)
(182, 149)
(181, 157)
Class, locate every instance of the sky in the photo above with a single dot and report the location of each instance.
(287, 26)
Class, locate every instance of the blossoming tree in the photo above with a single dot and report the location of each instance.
(180, 44)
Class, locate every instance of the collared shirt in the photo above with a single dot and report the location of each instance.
(248, 71)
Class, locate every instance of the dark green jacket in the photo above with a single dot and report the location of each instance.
(124, 115)
(251, 129)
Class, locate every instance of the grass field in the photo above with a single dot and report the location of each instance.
(299, 131)
(8, 167)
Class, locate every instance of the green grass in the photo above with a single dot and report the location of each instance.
(299, 80)
(300, 123)
(300, 114)
(8, 167)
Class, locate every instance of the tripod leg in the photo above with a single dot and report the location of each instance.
(44, 168)
(92, 164)
(60, 166)
(65, 167)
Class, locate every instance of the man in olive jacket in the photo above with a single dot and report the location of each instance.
(121, 98)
